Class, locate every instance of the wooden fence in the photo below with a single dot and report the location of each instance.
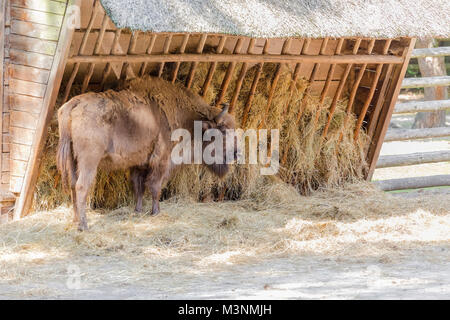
(414, 134)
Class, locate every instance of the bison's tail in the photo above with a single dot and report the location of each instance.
(64, 157)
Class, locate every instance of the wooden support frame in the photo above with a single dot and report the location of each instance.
(23, 203)
(388, 109)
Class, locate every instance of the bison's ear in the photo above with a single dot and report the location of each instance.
(220, 116)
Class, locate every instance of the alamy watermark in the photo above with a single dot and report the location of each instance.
(212, 146)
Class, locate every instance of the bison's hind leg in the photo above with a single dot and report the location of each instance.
(87, 171)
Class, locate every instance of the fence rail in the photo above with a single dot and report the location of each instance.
(422, 106)
(412, 134)
(430, 52)
(413, 158)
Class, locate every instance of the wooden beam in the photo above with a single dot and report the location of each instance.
(24, 201)
(400, 160)
(414, 183)
(249, 58)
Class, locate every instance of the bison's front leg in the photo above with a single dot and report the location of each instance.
(155, 180)
(138, 177)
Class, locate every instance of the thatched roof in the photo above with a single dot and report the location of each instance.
(285, 18)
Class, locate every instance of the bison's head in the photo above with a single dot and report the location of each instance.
(220, 143)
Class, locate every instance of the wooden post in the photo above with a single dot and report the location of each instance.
(24, 201)
(386, 113)
(2, 52)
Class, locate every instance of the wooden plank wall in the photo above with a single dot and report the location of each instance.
(32, 37)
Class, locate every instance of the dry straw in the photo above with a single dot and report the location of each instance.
(311, 162)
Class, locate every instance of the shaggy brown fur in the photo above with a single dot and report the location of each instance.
(130, 128)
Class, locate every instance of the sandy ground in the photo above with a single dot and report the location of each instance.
(345, 244)
(419, 274)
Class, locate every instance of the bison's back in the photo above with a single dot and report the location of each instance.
(118, 126)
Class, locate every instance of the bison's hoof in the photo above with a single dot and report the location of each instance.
(82, 227)
(154, 213)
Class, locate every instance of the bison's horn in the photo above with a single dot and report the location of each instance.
(224, 111)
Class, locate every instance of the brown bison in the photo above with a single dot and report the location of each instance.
(130, 128)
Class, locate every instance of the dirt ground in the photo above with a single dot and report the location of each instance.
(355, 243)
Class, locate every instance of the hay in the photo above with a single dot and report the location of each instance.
(355, 220)
(311, 161)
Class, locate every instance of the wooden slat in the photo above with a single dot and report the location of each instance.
(380, 102)
(31, 59)
(98, 44)
(338, 93)
(27, 88)
(253, 89)
(27, 73)
(5, 122)
(6, 142)
(165, 51)
(21, 135)
(369, 98)
(229, 73)
(18, 168)
(127, 70)
(40, 17)
(241, 77)
(328, 81)
(5, 162)
(200, 46)
(150, 46)
(32, 44)
(276, 77)
(19, 151)
(23, 119)
(15, 184)
(181, 50)
(108, 66)
(47, 6)
(25, 103)
(34, 30)
(213, 66)
(312, 78)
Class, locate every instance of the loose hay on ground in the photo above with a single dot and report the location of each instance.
(354, 221)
